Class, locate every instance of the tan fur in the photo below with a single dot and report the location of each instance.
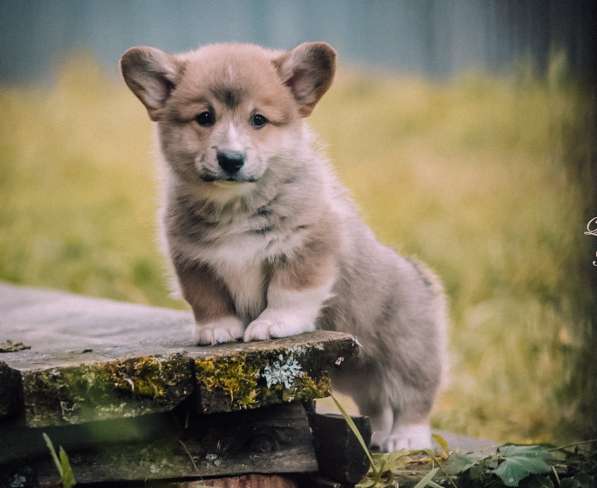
(278, 248)
(205, 292)
(310, 265)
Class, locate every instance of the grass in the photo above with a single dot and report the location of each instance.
(472, 176)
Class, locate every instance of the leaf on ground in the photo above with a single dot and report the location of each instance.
(426, 480)
(523, 450)
(520, 462)
(537, 481)
(458, 463)
(477, 472)
(367, 483)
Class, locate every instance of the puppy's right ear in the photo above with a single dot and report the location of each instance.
(151, 75)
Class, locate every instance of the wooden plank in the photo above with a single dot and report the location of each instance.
(247, 481)
(122, 388)
(93, 359)
(20, 442)
(339, 454)
(240, 376)
(317, 481)
(268, 440)
(10, 387)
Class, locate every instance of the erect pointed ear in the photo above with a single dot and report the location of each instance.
(151, 75)
(308, 70)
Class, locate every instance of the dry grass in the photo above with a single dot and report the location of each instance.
(470, 176)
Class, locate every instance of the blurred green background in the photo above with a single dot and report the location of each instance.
(486, 177)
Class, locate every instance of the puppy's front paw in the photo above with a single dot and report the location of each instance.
(226, 329)
(273, 325)
(411, 437)
(264, 329)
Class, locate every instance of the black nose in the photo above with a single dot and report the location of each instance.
(231, 161)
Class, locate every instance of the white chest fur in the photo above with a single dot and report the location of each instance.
(239, 261)
(238, 253)
(245, 282)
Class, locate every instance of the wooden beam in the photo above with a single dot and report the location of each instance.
(339, 455)
(180, 447)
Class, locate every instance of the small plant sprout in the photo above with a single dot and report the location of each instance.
(62, 464)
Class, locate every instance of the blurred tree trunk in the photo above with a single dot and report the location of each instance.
(587, 362)
(584, 381)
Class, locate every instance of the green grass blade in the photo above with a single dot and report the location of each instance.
(442, 442)
(53, 453)
(427, 479)
(68, 476)
(356, 432)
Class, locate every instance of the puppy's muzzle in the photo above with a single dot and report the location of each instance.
(231, 161)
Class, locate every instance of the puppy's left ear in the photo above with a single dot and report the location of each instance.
(308, 70)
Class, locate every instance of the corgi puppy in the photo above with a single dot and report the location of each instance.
(265, 241)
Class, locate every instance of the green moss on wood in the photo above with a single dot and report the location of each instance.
(99, 391)
(227, 378)
(232, 376)
(254, 380)
(309, 388)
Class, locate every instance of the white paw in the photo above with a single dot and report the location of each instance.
(377, 439)
(410, 437)
(226, 329)
(264, 329)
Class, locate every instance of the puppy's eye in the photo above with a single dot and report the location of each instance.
(206, 119)
(258, 121)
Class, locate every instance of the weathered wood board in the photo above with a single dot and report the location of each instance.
(9, 390)
(273, 439)
(246, 481)
(93, 359)
(239, 376)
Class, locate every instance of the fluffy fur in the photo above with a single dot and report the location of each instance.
(278, 248)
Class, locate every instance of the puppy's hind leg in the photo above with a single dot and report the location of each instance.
(405, 385)
(396, 395)
(363, 387)
(381, 417)
(414, 363)
(410, 428)
(410, 381)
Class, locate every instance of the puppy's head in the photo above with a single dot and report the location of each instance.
(227, 113)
